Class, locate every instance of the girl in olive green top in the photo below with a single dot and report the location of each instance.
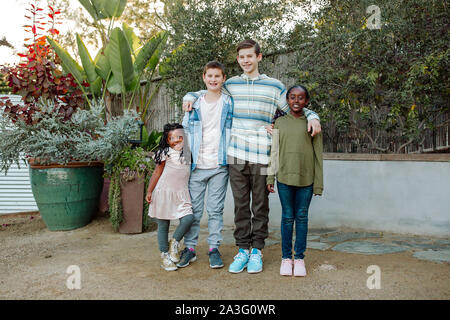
(296, 160)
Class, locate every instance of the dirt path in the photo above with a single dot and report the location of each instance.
(34, 261)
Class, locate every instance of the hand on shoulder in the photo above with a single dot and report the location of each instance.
(314, 125)
(187, 106)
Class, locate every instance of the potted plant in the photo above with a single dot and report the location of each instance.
(58, 130)
(149, 143)
(66, 158)
(129, 176)
(51, 97)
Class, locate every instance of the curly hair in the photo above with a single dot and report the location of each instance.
(163, 147)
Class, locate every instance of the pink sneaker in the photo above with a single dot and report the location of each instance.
(286, 267)
(299, 268)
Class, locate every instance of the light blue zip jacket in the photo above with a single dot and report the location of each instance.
(192, 123)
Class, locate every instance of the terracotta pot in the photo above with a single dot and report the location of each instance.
(132, 194)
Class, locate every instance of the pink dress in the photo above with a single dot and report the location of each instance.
(170, 198)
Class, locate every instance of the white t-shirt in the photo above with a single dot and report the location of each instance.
(208, 156)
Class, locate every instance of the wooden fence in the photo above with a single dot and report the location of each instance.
(436, 140)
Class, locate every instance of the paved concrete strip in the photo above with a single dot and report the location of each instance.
(277, 236)
(344, 236)
(271, 242)
(423, 245)
(431, 255)
(367, 247)
(321, 231)
(318, 245)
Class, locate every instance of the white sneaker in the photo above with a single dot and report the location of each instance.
(167, 263)
(299, 268)
(174, 250)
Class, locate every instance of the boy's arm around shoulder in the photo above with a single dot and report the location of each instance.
(313, 122)
(282, 101)
(310, 115)
(317, 141)
(185, 122)
(193, 96)
(190, 98)
(186, 125)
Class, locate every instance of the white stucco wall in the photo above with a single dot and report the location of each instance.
(393, 196)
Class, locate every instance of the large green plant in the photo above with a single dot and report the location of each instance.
(211, 29)
(121, 63)
(388, 84)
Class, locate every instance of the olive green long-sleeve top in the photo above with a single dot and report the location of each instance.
(296, 157)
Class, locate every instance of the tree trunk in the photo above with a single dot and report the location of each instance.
(108, 105)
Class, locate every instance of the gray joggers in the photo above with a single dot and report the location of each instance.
(216, 181)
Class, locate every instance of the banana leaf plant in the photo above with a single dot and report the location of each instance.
(150, 141)
(121, 63)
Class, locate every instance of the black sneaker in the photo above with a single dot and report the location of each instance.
(187, 256)
(215, 261)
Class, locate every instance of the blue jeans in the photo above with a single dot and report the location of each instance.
(294, 204)
(216, 181)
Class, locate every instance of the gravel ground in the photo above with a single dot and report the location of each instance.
(34, 263)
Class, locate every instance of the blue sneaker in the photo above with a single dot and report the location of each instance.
(240, 262)
(215, 261)
(187, 256)
(255, 263)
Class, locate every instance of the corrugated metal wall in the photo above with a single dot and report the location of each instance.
(15, 187)
(15, 191)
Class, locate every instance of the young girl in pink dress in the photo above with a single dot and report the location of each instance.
(168, 193)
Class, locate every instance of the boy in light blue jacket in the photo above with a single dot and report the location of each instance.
(208, 128)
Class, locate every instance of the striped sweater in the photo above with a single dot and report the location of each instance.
(255, 103)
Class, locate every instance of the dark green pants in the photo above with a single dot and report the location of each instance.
(251, 220)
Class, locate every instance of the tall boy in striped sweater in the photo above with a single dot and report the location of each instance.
(256, 99)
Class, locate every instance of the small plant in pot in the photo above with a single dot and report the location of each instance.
(129, 176)
(126, 180)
